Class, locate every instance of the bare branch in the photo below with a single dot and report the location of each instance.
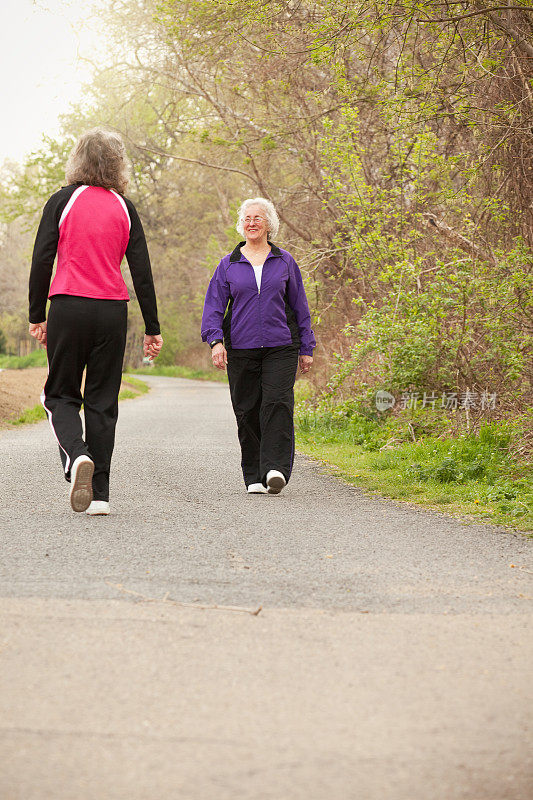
(477, 13)
(162, 153)
(485, 254)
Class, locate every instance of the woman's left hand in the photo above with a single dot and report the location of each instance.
(305, 364)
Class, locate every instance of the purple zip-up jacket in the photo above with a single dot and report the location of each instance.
(278, 314)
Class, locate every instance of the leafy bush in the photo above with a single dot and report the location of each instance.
(447, 471)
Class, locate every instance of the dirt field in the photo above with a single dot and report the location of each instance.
(19, 389)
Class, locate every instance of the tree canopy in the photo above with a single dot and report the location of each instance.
(393, 138)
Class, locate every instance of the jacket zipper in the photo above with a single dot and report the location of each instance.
(259, 291)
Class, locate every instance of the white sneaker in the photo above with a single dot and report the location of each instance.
(98, 508)
(81, 483)
(275, 481)
(257, 488)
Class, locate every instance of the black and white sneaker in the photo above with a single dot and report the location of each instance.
(81, 483)
(275, 481)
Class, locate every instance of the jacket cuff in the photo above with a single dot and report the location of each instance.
(210, 336)
(306, 351)
(152, 330)
(36, 318)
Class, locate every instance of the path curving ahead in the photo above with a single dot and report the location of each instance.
(391, 658)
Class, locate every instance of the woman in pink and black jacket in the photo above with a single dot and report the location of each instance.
(256, 320)
(90, 225)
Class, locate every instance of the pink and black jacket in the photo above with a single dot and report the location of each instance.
(91, 229)
(244, 317)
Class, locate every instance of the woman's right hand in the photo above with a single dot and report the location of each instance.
(152, 346)
(219, 356)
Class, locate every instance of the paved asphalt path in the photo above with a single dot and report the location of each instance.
(391, 658)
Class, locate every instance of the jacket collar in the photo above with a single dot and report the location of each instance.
(236, 255)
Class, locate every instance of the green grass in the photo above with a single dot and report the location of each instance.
(470, 474)
(29, 416)
(37, 358)
(138, 387)
(183, 372)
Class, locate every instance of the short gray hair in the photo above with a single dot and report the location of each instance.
(270, 212)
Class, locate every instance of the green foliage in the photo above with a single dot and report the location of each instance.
(172, 342)
(37, 358)
(429, 312)
(23, 191)
(457, 329)
(3, 342)
(356, 422)
(425, 320)
(472, 472)
(303, 390)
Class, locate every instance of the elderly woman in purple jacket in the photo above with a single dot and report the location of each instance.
(256, 320)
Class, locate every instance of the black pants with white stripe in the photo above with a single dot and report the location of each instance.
(85, 333)
(262, 393)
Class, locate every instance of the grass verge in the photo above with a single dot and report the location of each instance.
(37, 358)
(135, 387)
(182, 372)
(413, 459)
(29, 416)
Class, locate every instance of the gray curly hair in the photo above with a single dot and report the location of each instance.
(99, 159)
(270, 213)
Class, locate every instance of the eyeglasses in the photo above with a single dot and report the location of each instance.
(255, 220)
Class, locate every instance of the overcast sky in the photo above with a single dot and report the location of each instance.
(42, 44)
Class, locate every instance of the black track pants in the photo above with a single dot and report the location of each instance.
(81, 333)
(262, 393)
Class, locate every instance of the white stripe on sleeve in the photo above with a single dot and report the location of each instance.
(124, 206)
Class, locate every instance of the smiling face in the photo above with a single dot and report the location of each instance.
(255, 224)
